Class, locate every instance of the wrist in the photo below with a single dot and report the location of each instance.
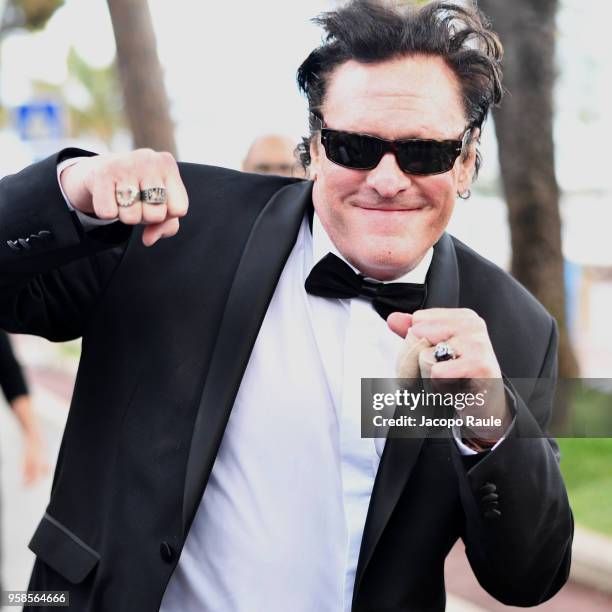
(478, 444)
(481, 438)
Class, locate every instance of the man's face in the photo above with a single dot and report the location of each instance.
(384, 220)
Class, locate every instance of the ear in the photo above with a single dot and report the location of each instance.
(467, 163)
(315, 157)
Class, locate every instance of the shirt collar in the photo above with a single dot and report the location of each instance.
(322, 245)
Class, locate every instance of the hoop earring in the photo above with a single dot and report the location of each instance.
(465, 195)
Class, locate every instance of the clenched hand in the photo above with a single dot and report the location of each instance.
(91, 185)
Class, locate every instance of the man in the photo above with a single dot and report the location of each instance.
(273, 154)
(212, 459)
(15, 390)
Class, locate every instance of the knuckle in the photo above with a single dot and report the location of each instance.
(473, 316)
(480, 345)
(141, 157)
(167, 158)
(118, 171)
(105, 213)
(105, 171)
(418, 316)
(180, 208)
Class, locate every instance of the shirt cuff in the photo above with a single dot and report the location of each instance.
(87, 222)
(464, 449)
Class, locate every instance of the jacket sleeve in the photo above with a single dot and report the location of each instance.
(51, 271)
(518, 523)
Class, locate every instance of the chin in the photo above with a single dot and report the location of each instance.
(385, 264)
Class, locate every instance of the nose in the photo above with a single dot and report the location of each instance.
(387, 179)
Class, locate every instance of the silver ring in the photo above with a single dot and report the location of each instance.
(126, 197)
(153, 195)
(443, 352)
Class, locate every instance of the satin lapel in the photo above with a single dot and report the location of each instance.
(263, 259)
(443, 276)
(400, 454)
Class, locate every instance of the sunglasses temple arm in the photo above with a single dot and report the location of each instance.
(318, 119)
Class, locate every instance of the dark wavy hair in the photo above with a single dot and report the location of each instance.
(369, 32)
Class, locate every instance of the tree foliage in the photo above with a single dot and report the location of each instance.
(29, 14)
(104, 113)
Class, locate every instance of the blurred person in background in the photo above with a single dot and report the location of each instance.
(15, 390)
(273, 154)
(213, 457)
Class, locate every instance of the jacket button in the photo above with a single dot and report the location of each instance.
(493, 513)
(166, 552)
(491, 497)
(488, 487)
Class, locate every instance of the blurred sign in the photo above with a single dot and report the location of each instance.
(41, 126)
(40, 120)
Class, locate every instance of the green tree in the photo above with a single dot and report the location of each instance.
(29, 14)
(104, 114)
(144, 95)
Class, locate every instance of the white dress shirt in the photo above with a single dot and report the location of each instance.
(279, 526)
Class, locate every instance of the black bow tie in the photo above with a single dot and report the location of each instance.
(334, 278)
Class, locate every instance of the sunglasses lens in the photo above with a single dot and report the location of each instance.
(426, 157)
(362, 152)
(351, 150)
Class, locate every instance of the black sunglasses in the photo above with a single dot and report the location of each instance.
(413, 155)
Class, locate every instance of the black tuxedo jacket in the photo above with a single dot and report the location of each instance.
(167, 333)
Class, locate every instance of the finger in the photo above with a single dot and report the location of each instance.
(399, 322)
(473, 346)
(445, 314)
(153, 233)
(178, 202)
(435, 331)
(130, 214)
(152, 171)
(441, 330)
(438, 313)
(153, 213)
(428, 363)
(103, 196)
(453, 368)
(467, 366)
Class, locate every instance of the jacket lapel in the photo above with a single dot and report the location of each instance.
(263, 259)
(400, 454)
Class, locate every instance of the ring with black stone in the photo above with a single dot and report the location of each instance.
(443, 352)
